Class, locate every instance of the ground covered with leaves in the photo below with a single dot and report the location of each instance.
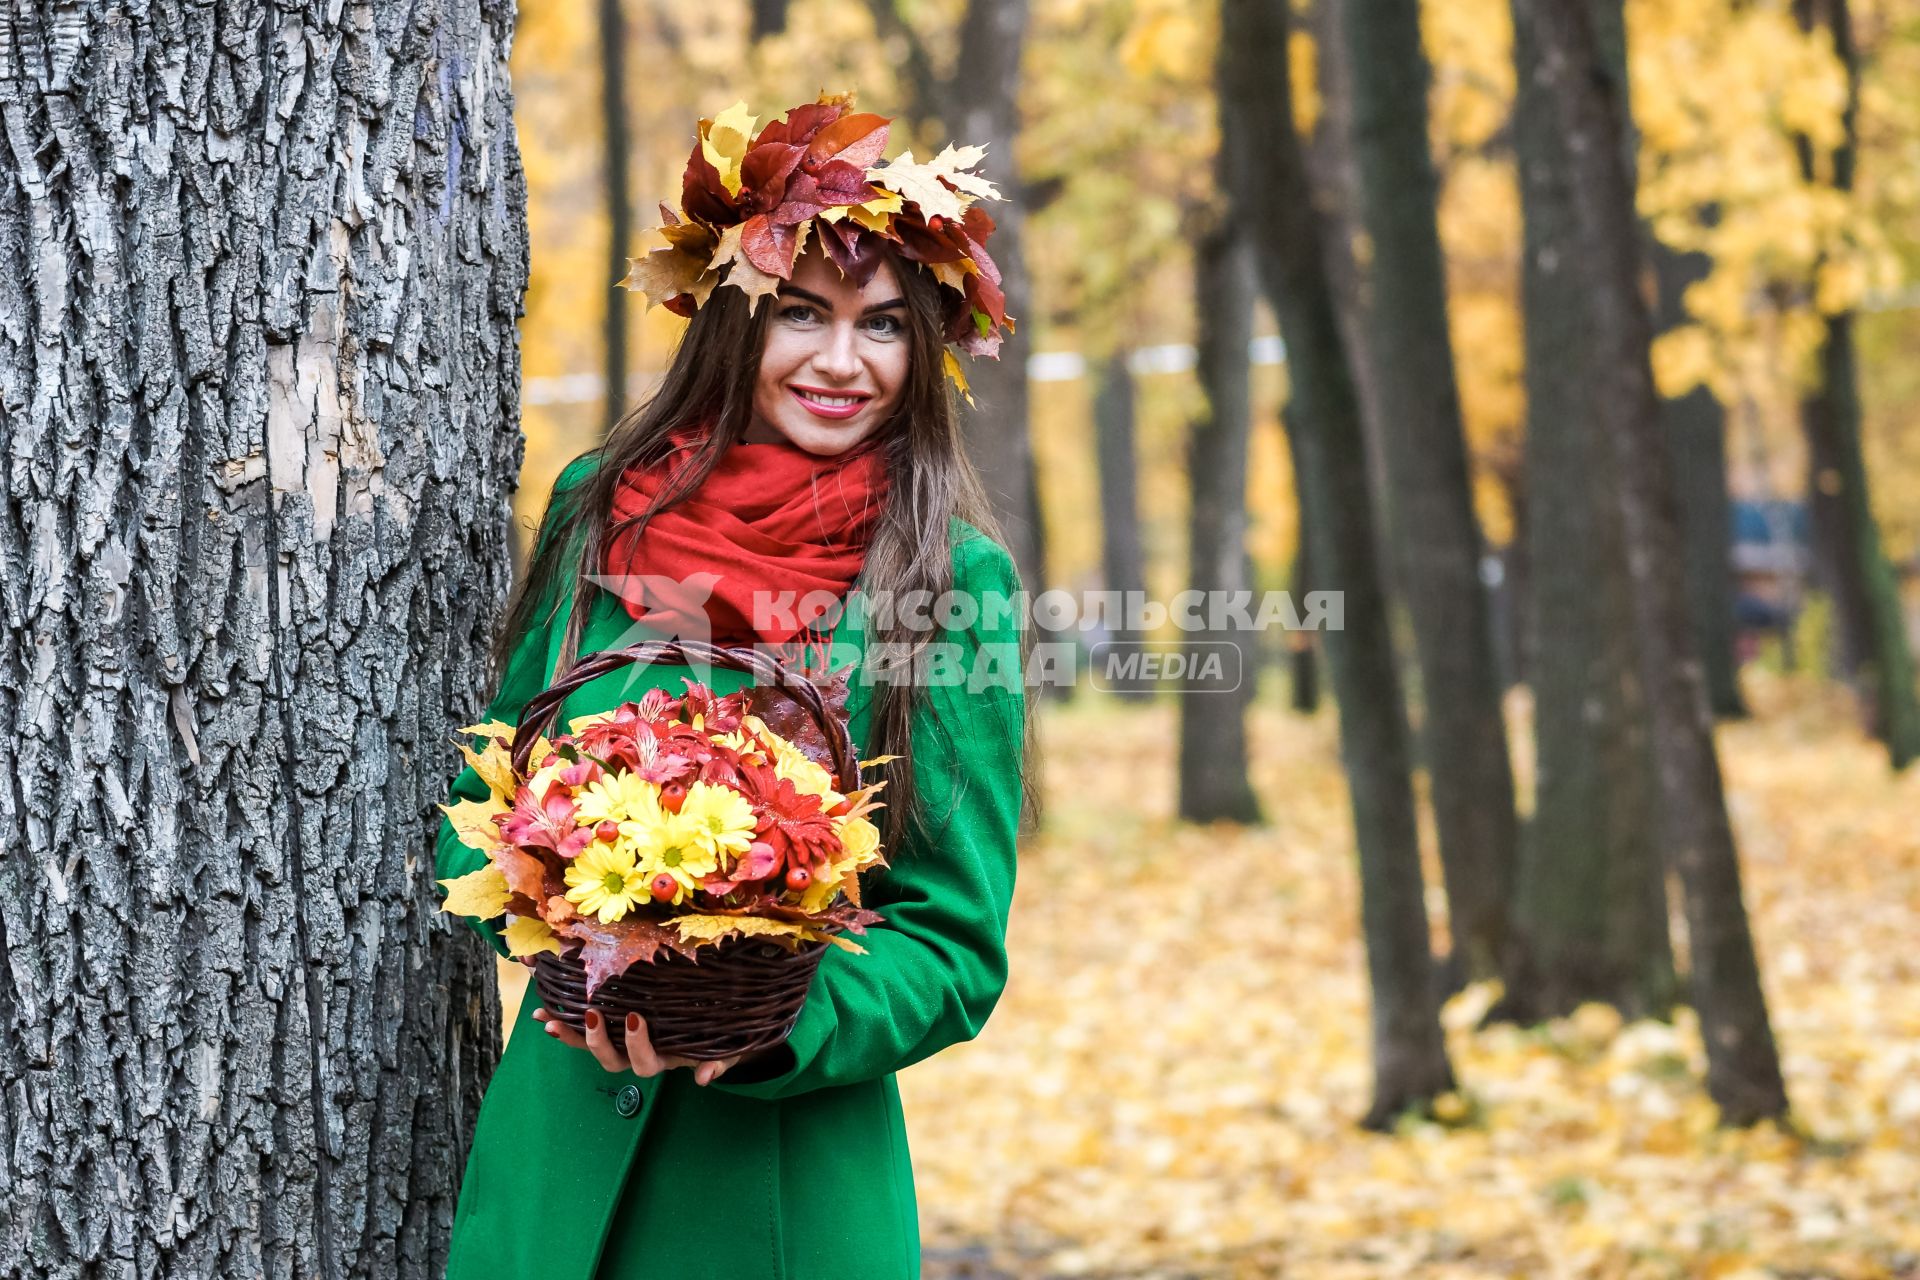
(1170, 1084)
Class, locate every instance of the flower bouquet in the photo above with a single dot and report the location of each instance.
(688, 858)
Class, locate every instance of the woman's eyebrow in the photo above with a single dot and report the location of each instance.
(796, 291)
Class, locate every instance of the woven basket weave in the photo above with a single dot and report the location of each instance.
(739, 996)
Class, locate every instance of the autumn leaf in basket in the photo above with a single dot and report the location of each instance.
(669, 824)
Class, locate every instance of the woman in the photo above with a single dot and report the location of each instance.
(803, 437)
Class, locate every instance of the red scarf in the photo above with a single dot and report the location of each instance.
(770, 518)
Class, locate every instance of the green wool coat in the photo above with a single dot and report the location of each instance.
(793, 1166)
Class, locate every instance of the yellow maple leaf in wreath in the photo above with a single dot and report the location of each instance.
(661, 274)
(746, 277)
(482, 894)
(959, 377)
(528, 936)
(473, 821)
(724, 140)
(920, 181)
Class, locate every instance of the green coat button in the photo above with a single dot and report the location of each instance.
(627, 1103)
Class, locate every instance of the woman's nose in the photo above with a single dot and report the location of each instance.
(840, 358)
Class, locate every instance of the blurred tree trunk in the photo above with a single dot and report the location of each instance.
(1214, 783)
(1592, 887)
(978, 103)
(1696, 423)
(1408, 359)
(1558, 50)
(1268, 180)
(1123, 566)
(1849, 560)
(613, 109)
(1303, 662)
(982, 100)
(769, 18)
(1513, 638)
(259, 374)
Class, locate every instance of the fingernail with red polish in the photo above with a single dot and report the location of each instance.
(633, 1022)
(593, 1020)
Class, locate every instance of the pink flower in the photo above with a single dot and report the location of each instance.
(546, 823)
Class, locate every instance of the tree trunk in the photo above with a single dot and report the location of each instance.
(257, 379)
(1124, 567)
(1849, 560)
(1430, 518)
(1696, 423)
(1269, 184)
(1214, 782)
(613, 111)
(1585, 108)
(1303, 663)
(983, 97)
(1592, 889)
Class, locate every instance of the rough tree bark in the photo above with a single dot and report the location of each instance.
(1268, 180)
(260, 265)
(1416, 420)
(1583, 97)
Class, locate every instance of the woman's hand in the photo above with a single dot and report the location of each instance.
(639, 1057)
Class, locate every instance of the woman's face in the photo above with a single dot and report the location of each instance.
(835, 358)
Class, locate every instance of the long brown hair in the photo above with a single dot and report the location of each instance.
(711, 378)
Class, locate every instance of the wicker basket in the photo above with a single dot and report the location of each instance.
(741, 995)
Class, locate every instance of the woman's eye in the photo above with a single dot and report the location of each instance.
(790, 312)
(897, 327)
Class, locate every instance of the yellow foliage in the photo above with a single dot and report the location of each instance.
(529, 936)
(472, 821)
(482, 894)
(1223, 1142)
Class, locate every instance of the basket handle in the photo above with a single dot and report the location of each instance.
(542, 709)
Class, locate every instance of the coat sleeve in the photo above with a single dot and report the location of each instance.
(526, 675)
(935, 969)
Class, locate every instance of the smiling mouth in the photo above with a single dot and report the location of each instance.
(826, 401)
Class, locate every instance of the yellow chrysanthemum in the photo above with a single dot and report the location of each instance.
(605, 881)
(680, 852)
(722, 818)
(623, 796)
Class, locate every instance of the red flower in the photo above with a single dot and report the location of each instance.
(790, 819)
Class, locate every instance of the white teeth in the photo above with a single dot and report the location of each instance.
(830, 402)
